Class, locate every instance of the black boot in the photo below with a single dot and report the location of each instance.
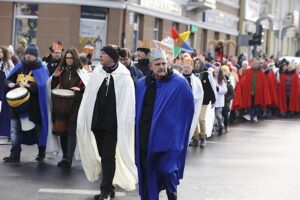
(172, 195)
(102, 195)
(11, 159)
(42, 153)
(64, 164)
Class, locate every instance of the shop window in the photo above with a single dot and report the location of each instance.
(92, 32)
(25, 22)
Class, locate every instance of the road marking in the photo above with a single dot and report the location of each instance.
(73, 191)
(216, 142)
(281, 121)
(248, 129)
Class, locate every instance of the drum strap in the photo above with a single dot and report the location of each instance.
(80, 83)
(60, 81)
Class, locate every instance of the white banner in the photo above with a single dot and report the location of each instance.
(252, 10)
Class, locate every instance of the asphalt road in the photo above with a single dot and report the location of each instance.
(257, 161)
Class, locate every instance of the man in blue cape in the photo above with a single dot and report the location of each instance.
(165, 108)
(35, 76)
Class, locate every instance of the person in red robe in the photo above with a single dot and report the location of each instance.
(254, 91)
(289, 92)
(272, 89)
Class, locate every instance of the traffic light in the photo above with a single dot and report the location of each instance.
(257, 38)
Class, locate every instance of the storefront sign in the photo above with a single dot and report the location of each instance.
(164, 6)
(91, 12)
(220, 20)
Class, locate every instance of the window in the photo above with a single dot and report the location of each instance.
(25, 22)
(157, 29)
(136, 26)
(93, 29)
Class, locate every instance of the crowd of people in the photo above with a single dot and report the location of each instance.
(132, 117)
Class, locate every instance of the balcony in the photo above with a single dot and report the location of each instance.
(201, 4)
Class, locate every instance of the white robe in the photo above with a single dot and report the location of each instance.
(198, 99)
(210, 112)
(53, 141)
(126, 172)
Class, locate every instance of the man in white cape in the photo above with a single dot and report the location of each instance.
(114, 79)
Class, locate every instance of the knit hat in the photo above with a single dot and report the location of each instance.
(208, 65)
(145, 50)
(32, 49)
(112, 51)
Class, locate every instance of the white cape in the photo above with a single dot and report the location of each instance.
(53, 141)
(126, 172)
(198, 99)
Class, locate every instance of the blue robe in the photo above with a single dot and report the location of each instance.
(169, 133)
(41, 75)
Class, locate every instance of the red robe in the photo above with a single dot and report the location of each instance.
(273, 88)
(294, 93)
(237, 100)
(262, 98)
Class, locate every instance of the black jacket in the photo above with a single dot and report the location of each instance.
(105, 115)
(143, 65)
(209, 95)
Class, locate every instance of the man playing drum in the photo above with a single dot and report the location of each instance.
(30, 75)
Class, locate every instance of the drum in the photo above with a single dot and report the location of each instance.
(18, 100)
(62, 102)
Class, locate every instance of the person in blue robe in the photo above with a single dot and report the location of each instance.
(165, 107)
(38, 74)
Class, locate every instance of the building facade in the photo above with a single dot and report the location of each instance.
(280, 21)
(126, 22)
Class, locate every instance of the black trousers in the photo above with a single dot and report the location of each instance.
(143, 162)
(106, 144)
(225, 113)
(68, 142)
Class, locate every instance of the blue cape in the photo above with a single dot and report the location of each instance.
(41, 75)
(169, 133)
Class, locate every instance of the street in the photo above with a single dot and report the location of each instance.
(257, 161)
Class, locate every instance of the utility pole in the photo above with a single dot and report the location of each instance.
(280, 29)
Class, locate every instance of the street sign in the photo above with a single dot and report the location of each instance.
(243, 40)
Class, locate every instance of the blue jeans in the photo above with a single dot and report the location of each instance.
(16, 136)
(219, 117)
